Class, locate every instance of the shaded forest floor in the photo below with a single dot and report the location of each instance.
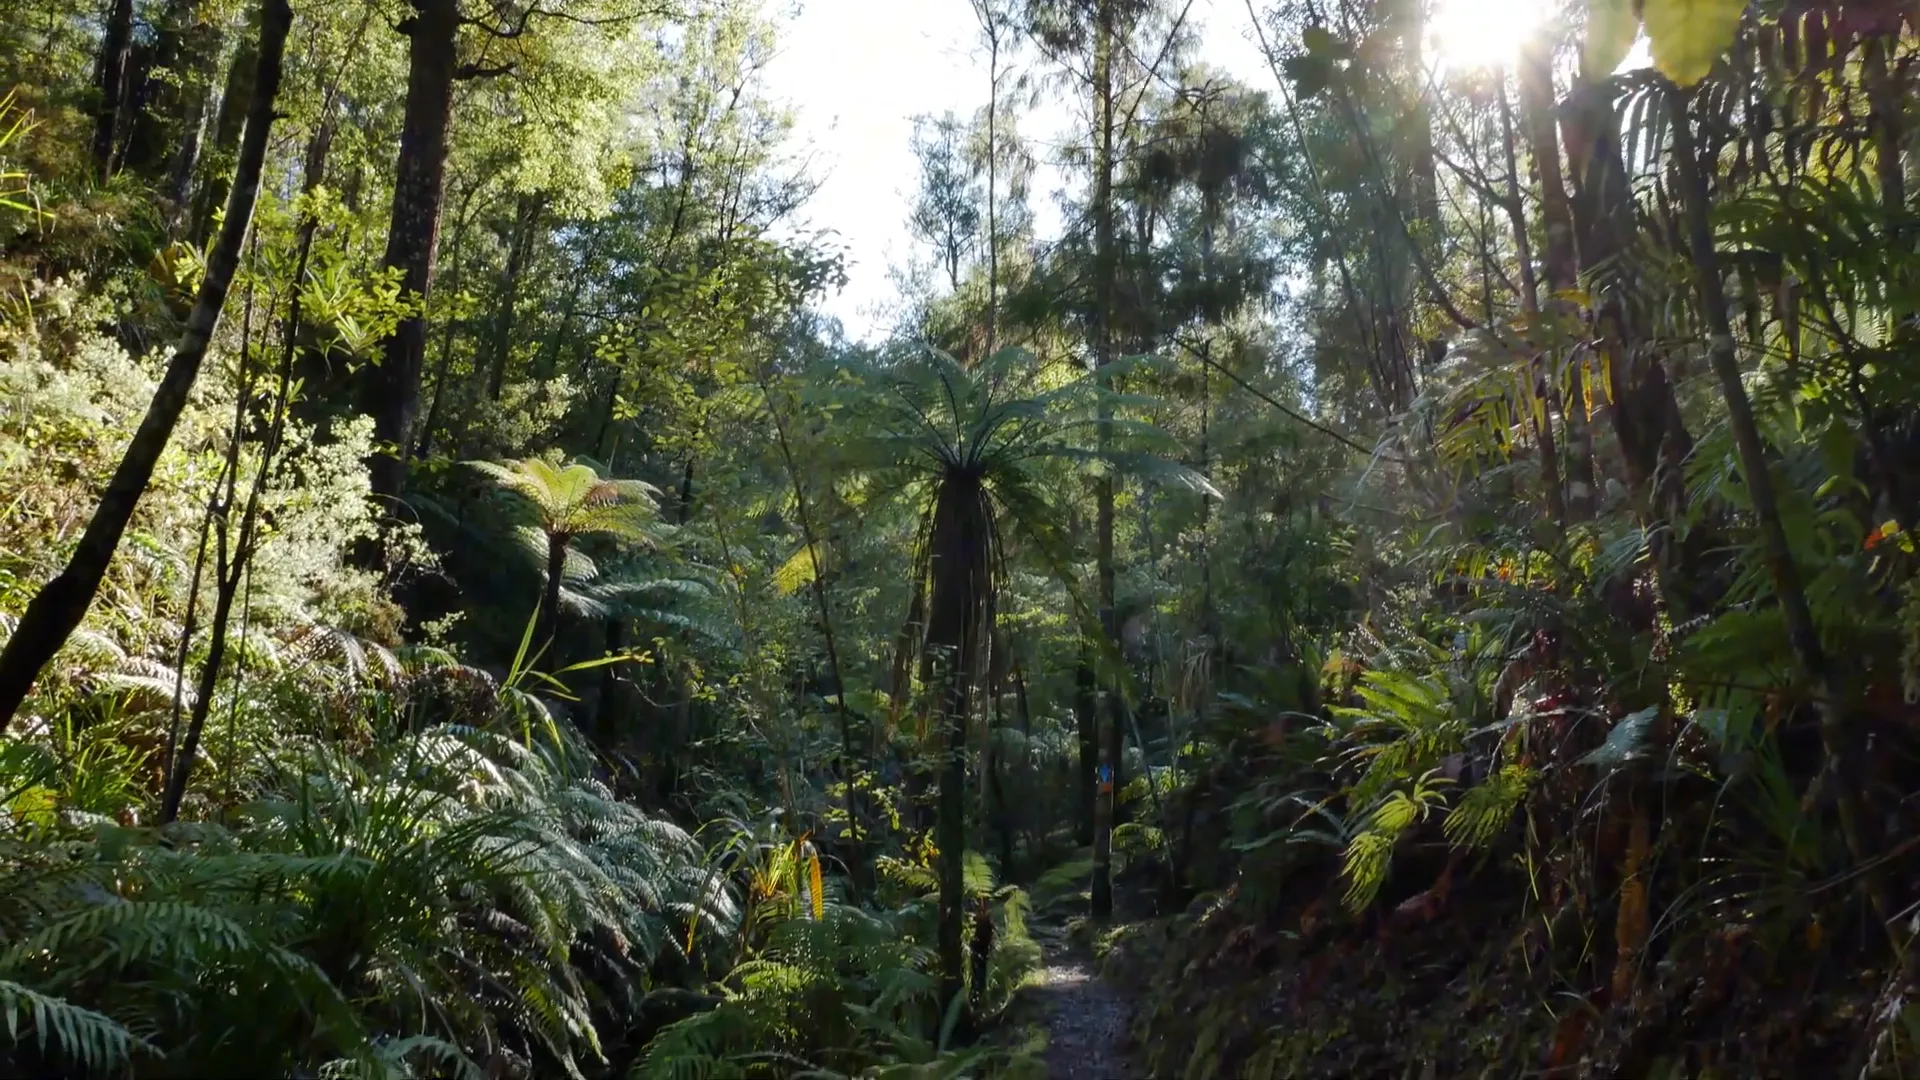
(1471, 992)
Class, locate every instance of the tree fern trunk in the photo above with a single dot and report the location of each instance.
(550, 605)
(959, 546)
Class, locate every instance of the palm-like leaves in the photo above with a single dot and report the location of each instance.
(975, 447)
(448, 895)
(570, 501)
(1010, 425)
(573, 500)
(1000, 421)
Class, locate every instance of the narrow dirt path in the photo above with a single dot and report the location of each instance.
(1086, 1018)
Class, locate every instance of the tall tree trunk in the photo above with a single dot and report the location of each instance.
(198, 64)
(1559, 262)
(605, 709)
(1422, 171)
(449, 327)
(992, 28)
(178, 188)
(235, 102)
(550, 352)
(59, 606)
(391, 388)
(1105, 298)
(1543, 377)
(911, 631)
(1086, 717)
(111, 69)
(526, 220)
(1887, 99)
(999, 815)
(1645, 415)
(172, 88)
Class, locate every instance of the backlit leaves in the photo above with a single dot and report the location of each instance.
(1611, 27)
(1687, 36)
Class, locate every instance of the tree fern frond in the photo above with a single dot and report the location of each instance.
(91, 1040)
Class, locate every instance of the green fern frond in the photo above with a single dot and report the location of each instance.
(91, 1040)
(1483, 811)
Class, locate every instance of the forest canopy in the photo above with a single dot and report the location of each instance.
(1409, 557)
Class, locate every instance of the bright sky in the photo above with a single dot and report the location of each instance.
(859, 71)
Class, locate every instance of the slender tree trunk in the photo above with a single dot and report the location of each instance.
(548, 634)
(1105, 299)
(848, 769)
(1645, 415)
(550, 352)
(898, 688)
(58, 607)
(1840, 779)
(1086, 716)
(1426, 241)
(1423, 171)
(180, 152)
(683, 506)
(1543, 378)
(1209, 216)
(605, 438)
(448, 328)
(186, 47)
(998, 814)
(391, 388)
(1209, 611)
(178, 188)
(226, 589)
(604, 709)
(987, 21)
(526, 220)
(1888, 101)
(111, 67)
(235, 105)
(1559, 262)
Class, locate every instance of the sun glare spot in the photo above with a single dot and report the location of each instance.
(1468, 35)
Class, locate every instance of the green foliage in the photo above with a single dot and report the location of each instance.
(16, 184)
(1373, 410)
(1688, 36)
(573, 500)
(367, 889)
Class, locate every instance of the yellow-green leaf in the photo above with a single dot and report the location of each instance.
(1611, 27)
(1687, 36)
(799, 570)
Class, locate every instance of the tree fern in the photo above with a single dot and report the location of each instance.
(93, 1042)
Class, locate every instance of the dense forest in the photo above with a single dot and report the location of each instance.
(1415, 576)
